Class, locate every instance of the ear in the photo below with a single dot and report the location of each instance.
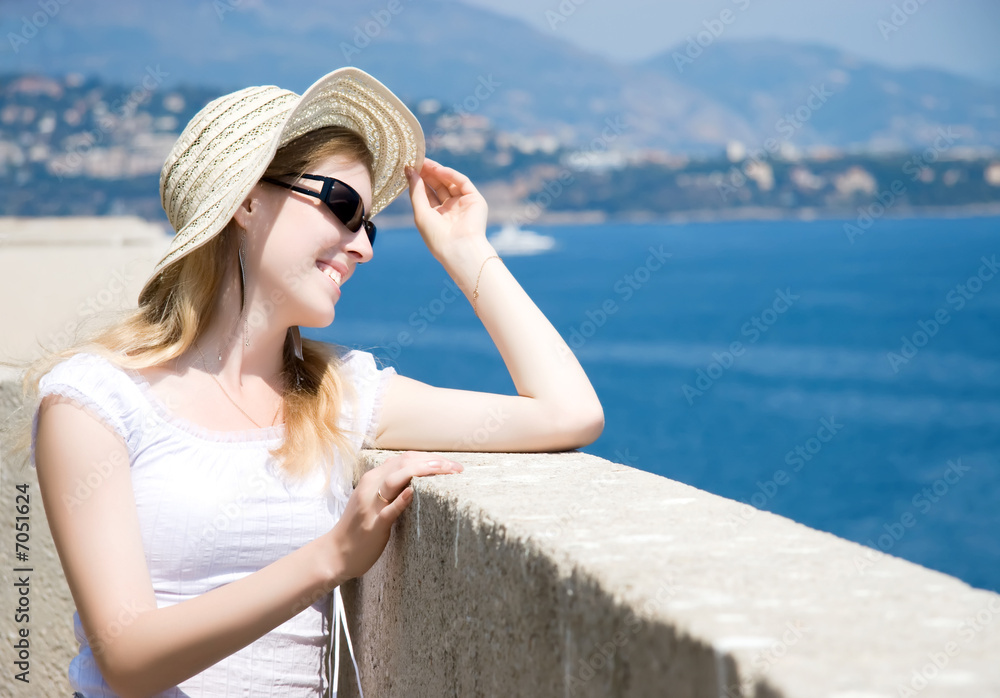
(245, 211)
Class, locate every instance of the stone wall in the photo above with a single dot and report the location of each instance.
(50, 622)
(546, 574)
(568, 575)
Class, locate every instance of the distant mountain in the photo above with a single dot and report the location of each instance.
(476, 61)
(839, 99)
(431, 49)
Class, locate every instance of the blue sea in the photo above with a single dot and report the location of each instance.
(848, 382)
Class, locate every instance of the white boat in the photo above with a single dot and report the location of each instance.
(512, 240)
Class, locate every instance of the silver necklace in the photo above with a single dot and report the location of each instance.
(226, 393)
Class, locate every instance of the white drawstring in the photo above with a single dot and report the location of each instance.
(340, 619)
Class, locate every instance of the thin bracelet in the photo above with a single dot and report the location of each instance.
(475, 294)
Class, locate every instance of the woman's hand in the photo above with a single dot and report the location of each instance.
(363, 530)
(447, 207)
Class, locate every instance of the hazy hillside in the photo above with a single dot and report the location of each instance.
(526, 81)
(844, 101)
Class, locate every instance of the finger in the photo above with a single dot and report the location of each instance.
(443, 187)
(391, 512)
(444, 173)
(436, 194)
(420, 198)
(439, 170)
(409, 458)
(397, 480)
(459, 188)
(407, 469)
(439, 188)
(440, 178)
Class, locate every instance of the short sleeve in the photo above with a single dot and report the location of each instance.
(90, 381)
(371, 382)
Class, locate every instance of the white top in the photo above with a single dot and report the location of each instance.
(213, 507)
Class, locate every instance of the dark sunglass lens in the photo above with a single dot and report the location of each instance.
(370, 229)
(347, 205)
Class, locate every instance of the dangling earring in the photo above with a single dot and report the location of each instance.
(297, 349)
(296, 341)
(243, 284)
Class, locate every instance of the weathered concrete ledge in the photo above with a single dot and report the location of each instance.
(563, 574)
(568, 575)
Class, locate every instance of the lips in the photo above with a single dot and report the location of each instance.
(333, 271)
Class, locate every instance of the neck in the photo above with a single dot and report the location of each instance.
(247, 348)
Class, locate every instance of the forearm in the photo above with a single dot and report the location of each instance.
(540, 362)
(164, 647)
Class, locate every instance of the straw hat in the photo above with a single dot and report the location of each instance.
(226, 147)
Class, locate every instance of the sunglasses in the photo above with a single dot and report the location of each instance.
(340, 198)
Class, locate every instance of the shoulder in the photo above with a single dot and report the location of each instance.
(94, 383)
(85, 376)
(362, 363)
(79, 367)
(370, 376)
(367, 373)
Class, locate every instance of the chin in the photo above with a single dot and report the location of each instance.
(320, 318)
(316, 309)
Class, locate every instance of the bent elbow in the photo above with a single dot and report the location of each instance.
(120, 673)
(117, 679)
(128, 686)
(583, 428)
(592, 429)
(120, 683)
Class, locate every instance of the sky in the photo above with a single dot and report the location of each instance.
(958, 35)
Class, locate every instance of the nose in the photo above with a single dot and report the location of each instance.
(359, 244)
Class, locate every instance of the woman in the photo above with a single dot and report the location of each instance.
(219, 450)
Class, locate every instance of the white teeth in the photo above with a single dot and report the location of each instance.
(332, 273)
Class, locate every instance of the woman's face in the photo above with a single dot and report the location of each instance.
(297, 238)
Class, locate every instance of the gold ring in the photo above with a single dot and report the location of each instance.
(379, 493)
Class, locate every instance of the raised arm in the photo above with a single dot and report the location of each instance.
(139, 648)
(556, 406)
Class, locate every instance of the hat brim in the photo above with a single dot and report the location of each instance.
(352, 98)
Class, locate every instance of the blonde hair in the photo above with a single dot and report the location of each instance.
(179, 306)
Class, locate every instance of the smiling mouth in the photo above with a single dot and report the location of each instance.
(330, 273)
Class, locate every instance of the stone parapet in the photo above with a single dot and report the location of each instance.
(564, 574)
